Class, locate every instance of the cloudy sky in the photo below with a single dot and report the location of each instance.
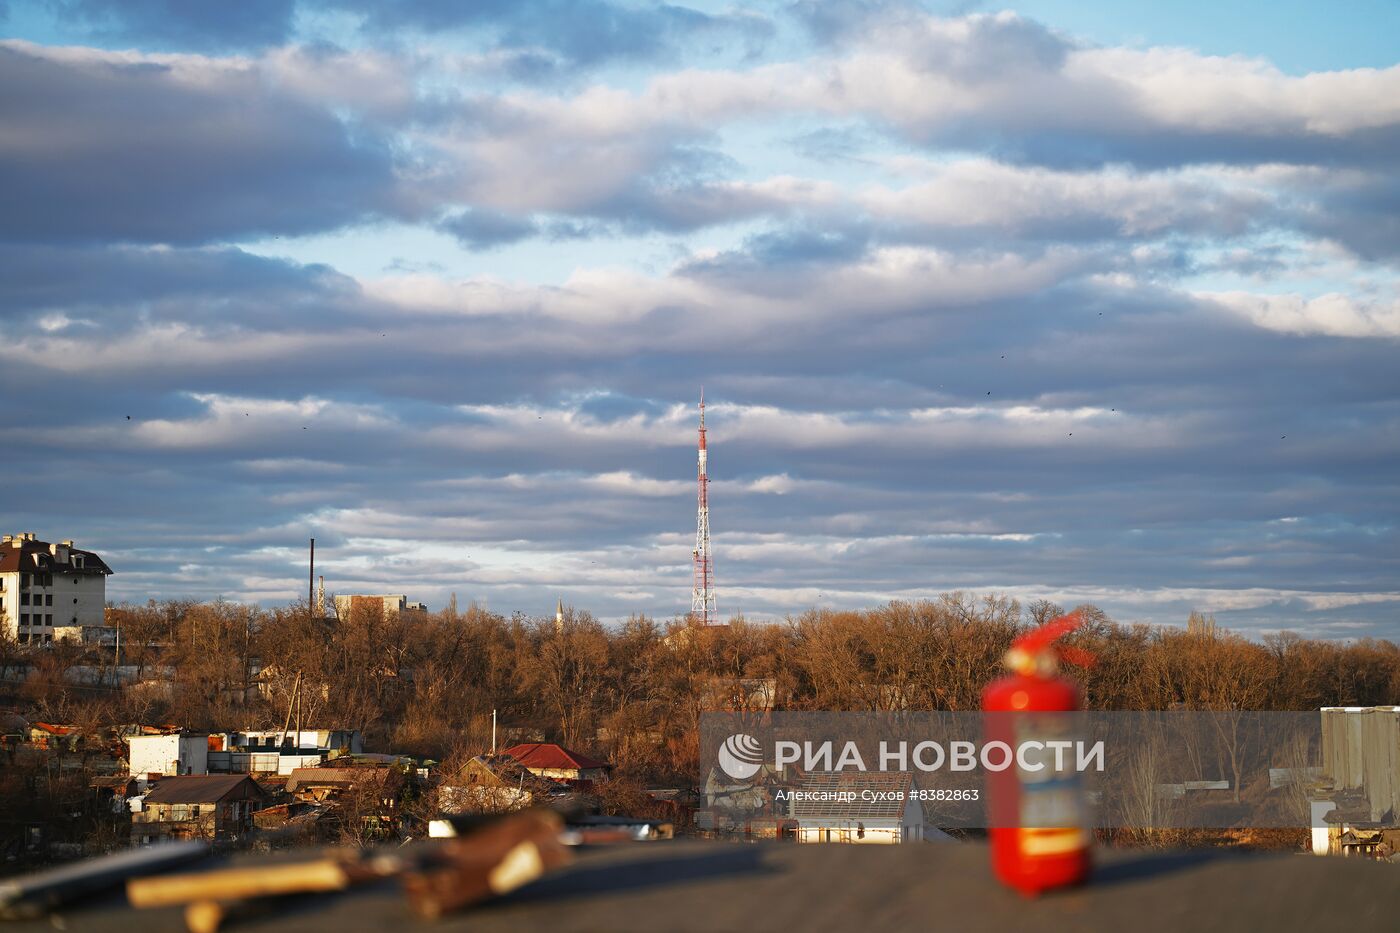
(1087, 302)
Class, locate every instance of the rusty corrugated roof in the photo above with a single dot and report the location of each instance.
(204, 788)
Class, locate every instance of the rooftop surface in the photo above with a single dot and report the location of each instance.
(693, 885)
(550, 755)
(873, 794)
(202, 788)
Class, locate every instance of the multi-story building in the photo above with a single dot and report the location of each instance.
(390, 604)
(50, 591)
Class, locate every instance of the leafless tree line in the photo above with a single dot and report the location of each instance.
(427, 684)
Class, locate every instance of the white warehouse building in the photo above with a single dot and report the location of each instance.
(172, 754)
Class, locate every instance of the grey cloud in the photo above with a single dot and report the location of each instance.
(120, 288)
(1151, 147)
(1032, 405)
(993, 49)
(142, 151)
(579, 33)
(612, 406)
(1362, 214)
(837, 22)
(766, 257)
(542, 39)
(1014, 89)
(1204, 482)
(182, 25)
(481, 228)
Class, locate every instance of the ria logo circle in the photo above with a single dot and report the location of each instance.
(740, 756)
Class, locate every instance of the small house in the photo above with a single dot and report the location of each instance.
(857, 807)
(215, 807)
(363, 801)
(548, 760)
(494, 784)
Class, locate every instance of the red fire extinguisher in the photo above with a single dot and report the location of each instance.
(1037, 807)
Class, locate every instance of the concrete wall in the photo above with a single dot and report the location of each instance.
(877, 831)
(168, 754)
(327, 739)
(571, 774)
(887, 830)
(1361, 752)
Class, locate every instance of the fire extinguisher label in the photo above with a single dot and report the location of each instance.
(1052, 798)
(1043, 805)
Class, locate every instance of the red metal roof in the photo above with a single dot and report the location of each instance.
(550, 755)
(53, 729)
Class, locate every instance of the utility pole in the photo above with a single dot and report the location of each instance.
(291, 702)
(311, 579)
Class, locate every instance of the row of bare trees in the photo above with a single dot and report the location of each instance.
(428, 683)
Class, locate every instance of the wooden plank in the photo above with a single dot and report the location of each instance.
(34, 895)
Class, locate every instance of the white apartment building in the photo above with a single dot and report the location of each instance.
(50, 591)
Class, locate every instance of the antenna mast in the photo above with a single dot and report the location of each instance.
(702, 594)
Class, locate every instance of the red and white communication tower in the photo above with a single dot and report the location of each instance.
(702, 594)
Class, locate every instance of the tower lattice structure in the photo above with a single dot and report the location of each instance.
(702, 594)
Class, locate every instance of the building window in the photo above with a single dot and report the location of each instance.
(24, 599)
(48, 599)
(24, 618)
(24, 581)
(48, 618)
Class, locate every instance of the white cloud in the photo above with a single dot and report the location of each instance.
(1334, 314)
